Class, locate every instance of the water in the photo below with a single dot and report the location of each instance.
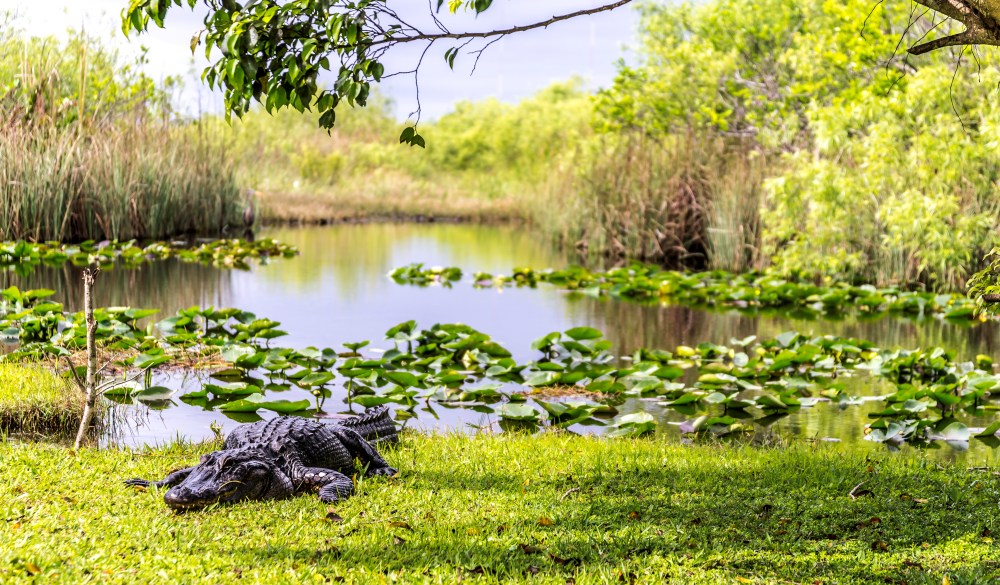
(337, 291)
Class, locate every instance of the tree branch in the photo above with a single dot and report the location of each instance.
(493, 33)
(980, 17)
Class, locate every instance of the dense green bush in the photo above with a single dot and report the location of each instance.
(895, 189)
(879, 166)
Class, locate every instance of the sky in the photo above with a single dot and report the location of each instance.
(509, 70)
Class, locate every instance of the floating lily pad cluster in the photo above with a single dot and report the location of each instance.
(24, 257)
(716, 289)
(41, 327)
(418, 275)
(721, 389)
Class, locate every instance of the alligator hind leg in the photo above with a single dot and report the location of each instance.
(169, 481)
(368, 455)
(332, 485)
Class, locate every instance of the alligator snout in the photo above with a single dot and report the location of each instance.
(183, 499)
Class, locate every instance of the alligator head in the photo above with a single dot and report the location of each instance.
(230, 475)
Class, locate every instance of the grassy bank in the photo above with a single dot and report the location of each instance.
(35, 402)
(546, 509)
(483, 161)
(387, 197)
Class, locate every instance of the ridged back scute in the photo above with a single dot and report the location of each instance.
(375, 425)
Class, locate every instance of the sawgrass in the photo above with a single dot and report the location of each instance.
(35, 402)
(553, 508)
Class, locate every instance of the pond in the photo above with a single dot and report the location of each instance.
(337, 291)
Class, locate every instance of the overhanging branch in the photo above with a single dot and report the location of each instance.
(493, 33)
(980, 18)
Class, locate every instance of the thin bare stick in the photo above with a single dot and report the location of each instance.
(89, 276)
(76, 377)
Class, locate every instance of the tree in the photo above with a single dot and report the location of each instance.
(981, 19)
(273, 51)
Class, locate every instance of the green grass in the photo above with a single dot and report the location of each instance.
(546, 509)
(35, 402)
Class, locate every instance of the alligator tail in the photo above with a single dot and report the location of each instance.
(375, 425)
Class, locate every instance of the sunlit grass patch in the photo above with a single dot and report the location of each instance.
(389, 197)
(36, 402)
(551, 508)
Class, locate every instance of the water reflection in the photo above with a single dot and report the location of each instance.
(631, 326)
(168, 286)
(338, 291)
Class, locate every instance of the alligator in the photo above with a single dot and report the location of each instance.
(274, 459)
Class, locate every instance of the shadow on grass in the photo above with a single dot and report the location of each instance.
(714, 515)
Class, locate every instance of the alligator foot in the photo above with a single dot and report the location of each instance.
(169, 481)
(332, 485)
(384, 471)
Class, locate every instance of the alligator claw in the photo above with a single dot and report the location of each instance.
(386, 471)
(137, 482)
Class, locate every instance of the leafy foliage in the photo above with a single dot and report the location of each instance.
(273, 52)
(878, 168)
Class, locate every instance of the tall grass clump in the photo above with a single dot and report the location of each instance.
(134, 181)
(90, 149)
(684, 201)
(34, 402)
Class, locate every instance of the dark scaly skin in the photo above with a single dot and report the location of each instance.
(275, 459)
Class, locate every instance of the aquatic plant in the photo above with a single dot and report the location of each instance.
(24, 257)
(723, 389)
(723, 290)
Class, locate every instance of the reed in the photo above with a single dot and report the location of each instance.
(90, 149)
(116, 181)
(684, 201)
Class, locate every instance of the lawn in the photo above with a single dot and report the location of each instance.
(552, 508)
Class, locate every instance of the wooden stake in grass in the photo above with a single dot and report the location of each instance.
(89, 276)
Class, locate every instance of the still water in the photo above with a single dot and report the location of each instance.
(337, 291)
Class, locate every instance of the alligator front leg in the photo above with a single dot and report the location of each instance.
(332, 485)
(169, 481)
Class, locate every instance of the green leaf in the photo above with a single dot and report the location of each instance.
(542, 379)
(990, 430)
(315, 379)
(583, 333)
(154, 393)
(402, 379)
(518, 411)
(955, 431)
(249, 404)
(285, 406)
